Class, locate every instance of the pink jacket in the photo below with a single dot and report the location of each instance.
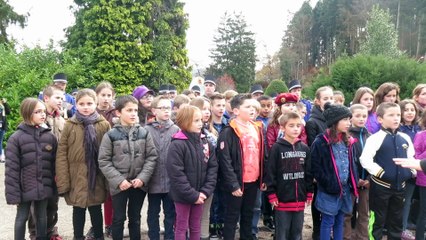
(420, 148)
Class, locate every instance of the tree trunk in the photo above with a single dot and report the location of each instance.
(419, 36)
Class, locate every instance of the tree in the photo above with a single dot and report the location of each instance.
(235, 51)
(382, 38)
(130, 42)
(8, 17)
(276, 86)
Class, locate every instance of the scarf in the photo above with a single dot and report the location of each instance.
(90, 146)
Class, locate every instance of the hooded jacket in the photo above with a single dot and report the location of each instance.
(191, 166)
(289, 178)
(127, 155)
(315, 125)
(30, 165)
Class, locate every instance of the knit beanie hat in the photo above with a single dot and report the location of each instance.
(334, 113)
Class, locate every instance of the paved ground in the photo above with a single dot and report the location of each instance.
(7, 218)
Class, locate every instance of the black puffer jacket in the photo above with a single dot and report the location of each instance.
(30, 165)
(191, 166)
(315, 125)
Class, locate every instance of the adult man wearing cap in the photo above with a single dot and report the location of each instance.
(60, 80)
(197, 90)
(172, 91)
(256, 91)
(295, 87)
(164, 90)
(209, 86)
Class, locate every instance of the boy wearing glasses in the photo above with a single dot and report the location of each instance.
(161, 130)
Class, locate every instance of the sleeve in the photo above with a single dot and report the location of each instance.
(63, 181)
(271, 176)
(308, 175)
(271, 135)
(419, 145)
(113, 176)
(151, 158)
(211, 174)
(311, 131)
(316, 161)
(223, 153)
(178, 179)
(367, 157)
(13, 171)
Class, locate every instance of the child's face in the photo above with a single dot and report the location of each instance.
(302, 112)
(325, 96)
(246, 111)
(228, 105)
(86, 105)
(391, 118)
(343, 125)
(206, 112)
(421, 99)
(390, 97)
(129, 114)
(197, 123)
(265, 108)
(288, 107)
(39, 114)
(408, 114)
(163, 110)
(105, 97)
(54, 102)
(359, 117)
(292, 129)
(367, 100)
(297, 91)
(339, 99)
(218, 107)
(146, 100)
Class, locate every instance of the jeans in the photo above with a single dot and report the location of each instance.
(154, 208)
(421, 219)
(188, 217)
(409, 190)
(289, 225)
(23, 211)
(132, 199)
(217, 210)
(79, 219)
(51, 213)
(329, 222)
(256, 213)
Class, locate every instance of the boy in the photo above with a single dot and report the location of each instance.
(296, 87)
(265, 109)
(387, 183)
(229, 94)
(360, 133)
(240, 154)
(127, 158)
(289, 182)
(179, 101)
(161, 130)
(53, 98)
(218, 104)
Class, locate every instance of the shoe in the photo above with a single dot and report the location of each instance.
(126, 232)
(108, 232)
(214, 234)
(90, 234)
(2, 158)
(407, 235)
(269, 224)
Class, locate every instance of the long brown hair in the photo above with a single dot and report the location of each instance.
(335, 136)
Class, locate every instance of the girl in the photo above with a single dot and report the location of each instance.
(333, 168)
(127, 158)
(29, 175)
(419, 96)
(192, 169)
(410, 127)
(144, 97)
(420, 148)
(79, 179)
(365, 96)
(387, 92)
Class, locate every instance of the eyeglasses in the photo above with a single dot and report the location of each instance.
(164, 108)
(40, 112)
(147, 96)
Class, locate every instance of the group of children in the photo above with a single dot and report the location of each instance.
(214, 162)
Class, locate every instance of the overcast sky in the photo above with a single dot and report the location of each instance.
(267, 19)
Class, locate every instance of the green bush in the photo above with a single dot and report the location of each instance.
(276, 86)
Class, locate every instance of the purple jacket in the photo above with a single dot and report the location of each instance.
(420, 148)
(372, 124)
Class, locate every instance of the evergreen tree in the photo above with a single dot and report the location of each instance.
(8, 17)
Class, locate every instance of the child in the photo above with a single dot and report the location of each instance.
(127, 158)
(161, 130)
(360, 133)
(419, 96)
(144, 97)
(229, 94)
(387, 183)
(333, 167)
(296, 87)
(192, 169)
(410, 127)
(240, 155)
(178, 102)
(387, 92)
(218, 104)
(420, 149)
(79, 179)
(339, 97)
(289, 182)
(365, 96)
(265, 109)
(29, 175)
(301, 109)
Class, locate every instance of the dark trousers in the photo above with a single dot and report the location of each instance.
(386, 207)
(79, 219)
(132, 199)
(289, 225)
(316, 216)
(23, 211)
(217, 210)
(154, 208)
(51, 213)
(267, 210)
(421, 220)
(240, 208)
